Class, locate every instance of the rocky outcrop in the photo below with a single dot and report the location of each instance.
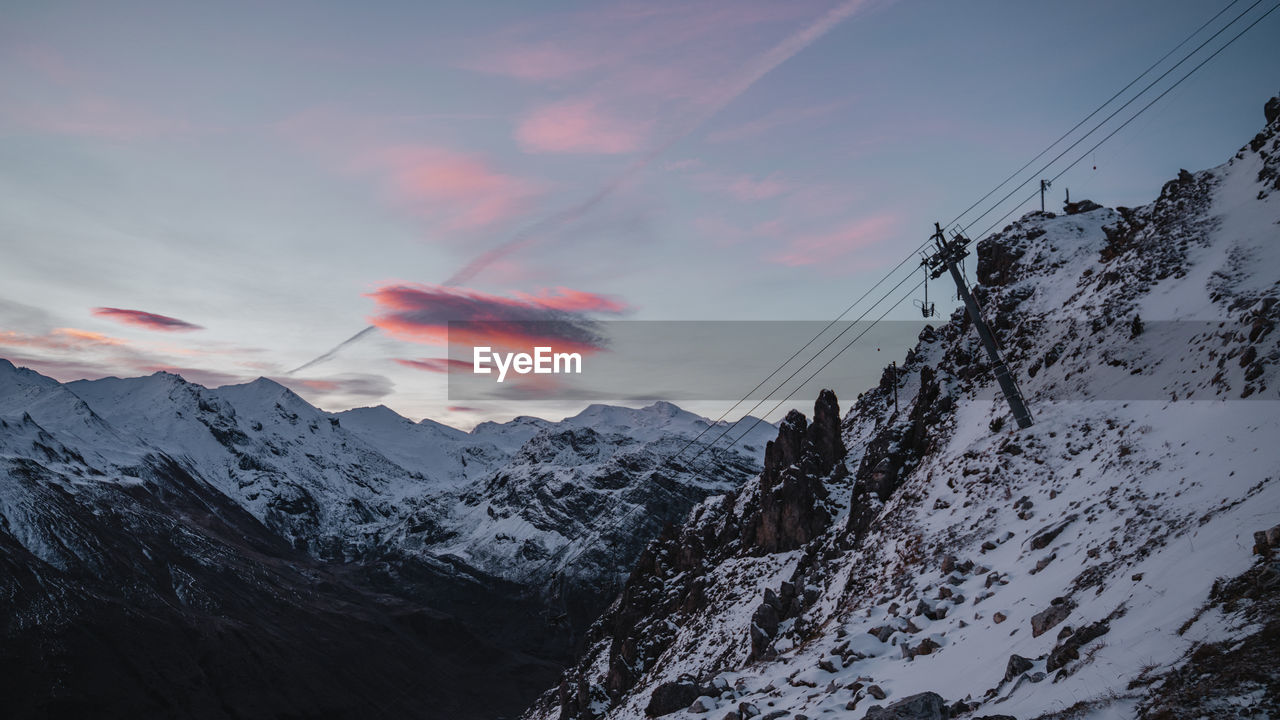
(894, 451)
(791, 486)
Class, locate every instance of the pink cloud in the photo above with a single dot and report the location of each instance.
(691, 62)
(578, 126)
(462, 189)
(829, 247)
(575, 301)
(668, 48)
(150, 321)
(560, 317)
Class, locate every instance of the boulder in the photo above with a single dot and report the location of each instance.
(1046, 535)
(1069, 649)
(1017, 665)
(1266, 542)
(924, 706)
(1048, 618)
(672, 696)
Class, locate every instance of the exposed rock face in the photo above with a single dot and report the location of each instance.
(790, 487)
(668, 580)
(1266, 542)
(1083, 206)
(894, 451)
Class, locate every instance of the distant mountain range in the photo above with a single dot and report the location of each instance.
(161, 509)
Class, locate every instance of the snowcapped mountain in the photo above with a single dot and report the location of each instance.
(202, 505)
(1116, 559)
(505, 499)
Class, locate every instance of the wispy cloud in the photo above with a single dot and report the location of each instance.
(745, 188)
(835, 248)
(579, 126)
(462, 189)
(708, 95)
(73, 102)
(150, 321)
(435, 364)
(342, 389)
(61, 339)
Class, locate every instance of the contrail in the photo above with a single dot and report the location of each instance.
(334, 351)
(761, 66)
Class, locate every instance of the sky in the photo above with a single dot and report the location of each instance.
(229, 190)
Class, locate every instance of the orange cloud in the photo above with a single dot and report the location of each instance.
(59, 339)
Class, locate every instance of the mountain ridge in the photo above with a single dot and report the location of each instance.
(948, 566)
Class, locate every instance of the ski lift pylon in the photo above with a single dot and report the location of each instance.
(926, 308)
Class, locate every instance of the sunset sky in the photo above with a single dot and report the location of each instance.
(230, 190)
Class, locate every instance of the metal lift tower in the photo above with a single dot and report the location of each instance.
(947, 256)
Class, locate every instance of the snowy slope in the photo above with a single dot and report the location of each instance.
(1097, 564)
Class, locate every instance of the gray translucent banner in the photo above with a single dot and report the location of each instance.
(680, 361)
